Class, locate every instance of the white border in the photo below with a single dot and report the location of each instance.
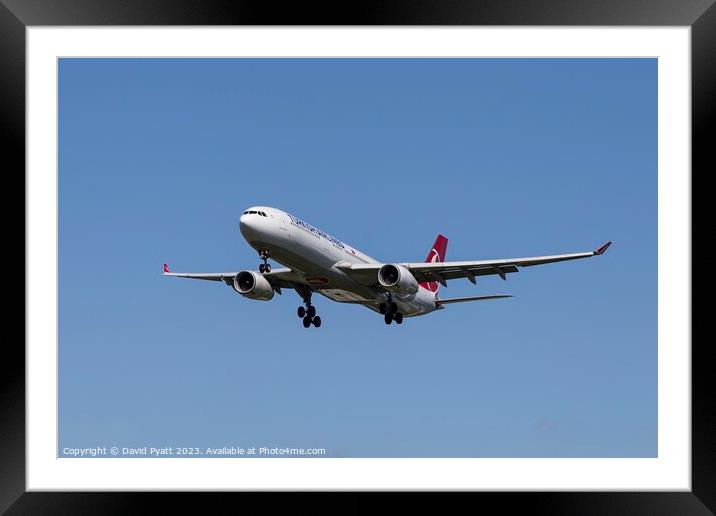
(671, 470)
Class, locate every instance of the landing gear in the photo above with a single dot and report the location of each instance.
(390, 311)
(384, 308)
(265, 266)
(307, 313)
(307, 320)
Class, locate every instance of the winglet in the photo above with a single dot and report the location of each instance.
(603, 248)
(166, 268)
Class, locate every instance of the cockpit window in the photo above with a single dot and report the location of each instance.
(262, 214)
(246, 212)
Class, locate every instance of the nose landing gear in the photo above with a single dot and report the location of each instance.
(265, 254)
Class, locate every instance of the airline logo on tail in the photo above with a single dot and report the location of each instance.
(436, 254)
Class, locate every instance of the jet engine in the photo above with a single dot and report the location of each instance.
(397, 278)
(253, 285)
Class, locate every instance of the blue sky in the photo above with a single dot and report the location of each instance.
(506, 157)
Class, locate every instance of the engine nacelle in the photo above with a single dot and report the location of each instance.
(253, 285)
(397, 278)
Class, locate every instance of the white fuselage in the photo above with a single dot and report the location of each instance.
(313, 255)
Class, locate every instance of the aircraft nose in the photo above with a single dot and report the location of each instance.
(247, 225)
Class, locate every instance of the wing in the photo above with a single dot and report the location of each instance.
(367, 274)
(278, 278)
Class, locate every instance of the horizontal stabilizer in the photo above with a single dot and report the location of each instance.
(464, 299)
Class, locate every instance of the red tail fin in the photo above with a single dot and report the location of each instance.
(436, 254)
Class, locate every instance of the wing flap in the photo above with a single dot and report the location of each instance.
(457, 273)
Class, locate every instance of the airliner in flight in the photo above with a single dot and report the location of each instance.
(317, 262)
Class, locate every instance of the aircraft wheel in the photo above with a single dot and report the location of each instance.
(399, 318)
(301, 312)
(311, 311)
(388, 318)
(262, 268)
(267, 268)
(381, 308)
(306, 322)
(317, 322)
(393, 308)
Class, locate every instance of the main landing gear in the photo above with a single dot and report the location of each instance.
(307, 313)
(265, 266)
(390, 310)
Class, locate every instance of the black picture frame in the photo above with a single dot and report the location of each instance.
(16, 15)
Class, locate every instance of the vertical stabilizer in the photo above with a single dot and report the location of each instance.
(436, 254)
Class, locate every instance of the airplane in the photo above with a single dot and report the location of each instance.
(317, 262)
